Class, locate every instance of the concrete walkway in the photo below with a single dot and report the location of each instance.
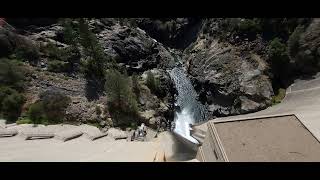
(77, 150)
(302, 99)
(81, 149)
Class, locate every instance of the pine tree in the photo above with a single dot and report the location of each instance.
(95, 66)
(135, 85)
(152, 82)
(69, 34)
(121, 100)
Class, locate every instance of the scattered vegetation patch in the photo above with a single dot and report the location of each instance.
(24, 121)
(93, 124)
(61, 60)
(279, 96)
(58, 66)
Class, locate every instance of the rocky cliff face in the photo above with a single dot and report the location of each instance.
(305, 50)
(230, 75)
(228, 80)
(132, 48)
(229, 71)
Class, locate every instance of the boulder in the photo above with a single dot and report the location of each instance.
(117, 133)
(3, 123)
(102, 123)
(163, 107)
(147, 115)
(52, 34)
(109, 122)
(152, 121)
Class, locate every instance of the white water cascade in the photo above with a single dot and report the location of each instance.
(191, 111)
(183, 120)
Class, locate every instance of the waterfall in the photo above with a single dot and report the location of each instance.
(189, 110)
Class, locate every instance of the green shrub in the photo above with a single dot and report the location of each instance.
(86, 36)
(94, 70)
(89, 41)
(12, 106)
(11, 83)
(277, 49)
(279, 96)
(11, 74)
(62, 60)
(4, 92)
(153, 83)
(280, 27)
(249, 26)
(36, 112)
(96, 124)
(70, 35)
(72, 56)
(27, 51)
(11, 103)
(279, 60)
(52, 51)
(54, 104)
(121, 100)
(24, 121)
(58, 66)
